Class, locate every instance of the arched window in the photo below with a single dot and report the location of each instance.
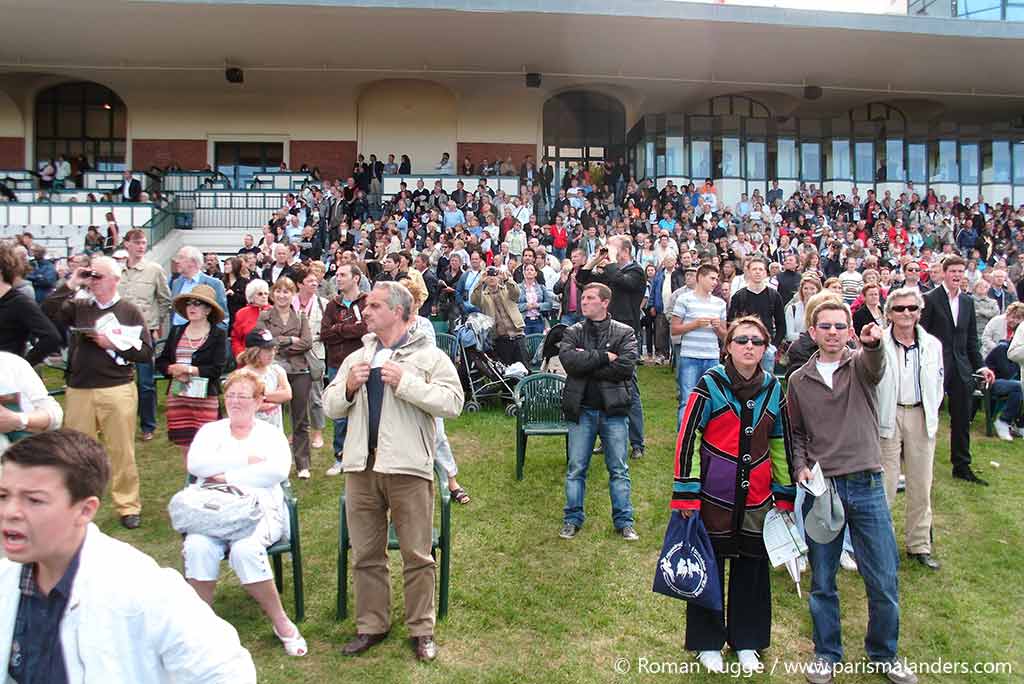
(879, 131)
(582, 126)
(81, 118)
(733, 105)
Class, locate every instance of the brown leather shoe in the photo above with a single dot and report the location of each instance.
(425, 647)
(362, 643)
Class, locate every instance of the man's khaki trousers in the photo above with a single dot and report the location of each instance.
(918, 450)
(111, 412)
(410, 499)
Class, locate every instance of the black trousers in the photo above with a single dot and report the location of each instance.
(511, 349)
(959, 394)
(746, 622)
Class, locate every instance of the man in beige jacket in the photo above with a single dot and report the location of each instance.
(390, 390)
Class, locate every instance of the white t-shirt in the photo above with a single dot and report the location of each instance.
(827, 370)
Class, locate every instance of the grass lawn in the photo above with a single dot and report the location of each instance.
(527, 606)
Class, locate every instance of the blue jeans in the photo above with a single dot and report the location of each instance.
(1009, 391)
(534, 326)
(147, 396)
(874, 544)
(582, 436)
(570, 318)
(688, 372)
(340, 424)
(636, 416)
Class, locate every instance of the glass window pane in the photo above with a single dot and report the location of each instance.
(863, 153)
(810, 161)
(942, 163)
(756, 166)
(918, 156)
(730, 158)
(969, 163)
(701, 160)
(786, 163)
(69, 121)
(649, 156)
(894, 160)
(97, 122)
(840, 167)
(675, 156)
(273, 155)
(120, 121)
(995, 163)
(44, 120)
(1018, 163)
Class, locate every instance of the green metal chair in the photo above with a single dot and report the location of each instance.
(292, 546)
(538, 401)
(441, 540)
(993, 407)
(533, 343)
(440, 324)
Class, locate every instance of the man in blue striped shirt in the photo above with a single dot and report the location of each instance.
(699, 317)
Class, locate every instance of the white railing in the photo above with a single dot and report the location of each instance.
(73, 214)
(392, 184)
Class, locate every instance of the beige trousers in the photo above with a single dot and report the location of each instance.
(110, 412)
(918, 451)
(410, 499)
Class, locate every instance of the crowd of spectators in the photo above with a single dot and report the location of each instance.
(683, 275)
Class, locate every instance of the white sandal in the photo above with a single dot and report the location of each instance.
(294, 645)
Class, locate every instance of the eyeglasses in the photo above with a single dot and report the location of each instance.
(900, 308)
(744, 340)
(829, 326)
(195, 302)
(238, 397)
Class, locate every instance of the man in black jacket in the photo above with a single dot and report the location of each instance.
(599, 357)
(422, 264)
(949, 316)
(614, 266)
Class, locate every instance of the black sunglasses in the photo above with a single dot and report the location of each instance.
(744, 340)
(195, 302)
(829, 326)
(900, 308)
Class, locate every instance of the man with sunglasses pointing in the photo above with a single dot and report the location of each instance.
(833, 415)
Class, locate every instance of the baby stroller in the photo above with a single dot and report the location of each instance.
(483, 376)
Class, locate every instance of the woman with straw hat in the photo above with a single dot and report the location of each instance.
(193, 357)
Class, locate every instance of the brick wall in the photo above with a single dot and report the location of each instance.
(334, 157)
(12, 153)
(477, 151)
(190, 155)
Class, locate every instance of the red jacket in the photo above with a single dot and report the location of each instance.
(560, 237)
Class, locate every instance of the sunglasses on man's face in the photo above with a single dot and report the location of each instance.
(744, 340)
(900, 308)
(829, 326)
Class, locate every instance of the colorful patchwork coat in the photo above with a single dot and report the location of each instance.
(744, 465)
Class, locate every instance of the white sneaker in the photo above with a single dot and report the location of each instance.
(846, 561)
(304, 474)
(901, 484)
(1003, 430)
(712, 661)
(749, 661)
(334, 470)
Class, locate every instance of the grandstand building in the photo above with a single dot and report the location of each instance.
(921, 93)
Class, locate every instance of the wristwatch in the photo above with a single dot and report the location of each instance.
(22, 421)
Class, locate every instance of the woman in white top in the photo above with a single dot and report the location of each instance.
(442, 449)
(259, 357)
(809, 286)
(254, 456)
(25, 406)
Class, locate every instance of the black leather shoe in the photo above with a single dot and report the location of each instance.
(425, 647)
(967, 475)
(362, 643)
(131, 522)
(926, 560)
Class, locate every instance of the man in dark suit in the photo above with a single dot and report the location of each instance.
(130, 188)
(422, 264)
(547, 177)
(949, 316)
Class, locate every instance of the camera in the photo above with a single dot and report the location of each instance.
(492, 270)
(979, 384)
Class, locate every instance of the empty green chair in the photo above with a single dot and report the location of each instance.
(538, 401)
